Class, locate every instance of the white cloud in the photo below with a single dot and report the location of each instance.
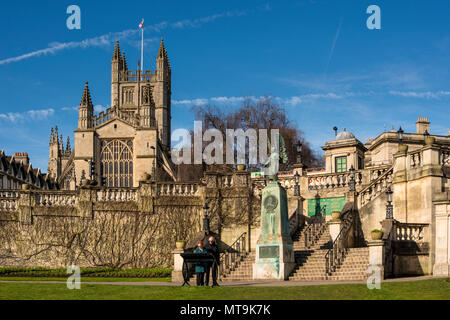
(291, 101)
(99, 108)
(108, 38)
(28, 115)
(422, 95)
(70, 108)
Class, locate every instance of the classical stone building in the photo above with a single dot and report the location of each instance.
(396, 183)
(17, 170)
(128, 140)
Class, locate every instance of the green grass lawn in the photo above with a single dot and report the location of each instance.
(87, 279)
(424, 289)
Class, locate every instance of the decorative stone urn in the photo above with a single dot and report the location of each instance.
(335, 215)
(180, 245)
(85, 182)
(241, 167)
(376, 234)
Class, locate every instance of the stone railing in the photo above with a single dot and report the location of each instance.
(227, 181)
(332, 180)
(178, 189)
(410, 231)
(415, 159)
(115, 113)
(8, 200)
(118, 195)
(444, 157)
(376, 187)
(378, 171)
(55, 198)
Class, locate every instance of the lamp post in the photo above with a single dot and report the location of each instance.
(299, 152)
(154, 159)
(206, 219)
(297, 185)
(352, 183)
(400, 135)
(389, 207)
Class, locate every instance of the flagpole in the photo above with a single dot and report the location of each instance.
(142, 50)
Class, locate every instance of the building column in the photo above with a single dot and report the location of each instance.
(376, 257)
(399, 186)
(177, 273)
(442, 241)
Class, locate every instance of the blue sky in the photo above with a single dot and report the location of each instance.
(315, 57)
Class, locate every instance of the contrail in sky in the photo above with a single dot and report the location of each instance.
(109, 37)
(333, 46)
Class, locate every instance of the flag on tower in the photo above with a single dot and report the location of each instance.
(141, 26)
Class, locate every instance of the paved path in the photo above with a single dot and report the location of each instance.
(234, 284)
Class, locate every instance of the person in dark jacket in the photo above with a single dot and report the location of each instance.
(200, 267)
(212, 248)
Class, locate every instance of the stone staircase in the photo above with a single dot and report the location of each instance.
(310, 262)
(243, 271)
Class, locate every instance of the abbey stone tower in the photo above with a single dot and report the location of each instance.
(128, 140)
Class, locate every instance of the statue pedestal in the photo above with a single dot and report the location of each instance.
(274, 250)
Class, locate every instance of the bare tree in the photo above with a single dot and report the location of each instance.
(260, 114)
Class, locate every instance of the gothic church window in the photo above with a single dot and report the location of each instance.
(128, 94)
(117, 162)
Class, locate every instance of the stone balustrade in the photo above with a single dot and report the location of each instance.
(56, 198)
(410, 231)
(376, 187)
(178, 189)
(9, 194)
(118, 195)
(332, 180)
(227, 181)
(444, 157)
(8, 204)
(415, 159)
(8, 200)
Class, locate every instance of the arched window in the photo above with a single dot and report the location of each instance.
(117, 163)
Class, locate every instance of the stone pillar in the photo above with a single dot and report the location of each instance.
(376, 257)
(145, 196)
(400, 184)
(335, 228)
(25, 205)
(300, 168)
(86, 197)
(274, 249)
(442, 241)
(177, 273)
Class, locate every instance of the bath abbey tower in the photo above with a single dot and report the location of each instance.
(130, 139)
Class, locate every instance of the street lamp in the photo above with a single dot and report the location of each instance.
(296, 186)
(299, 152)
(352, 183)
(400, 135)
(205, 218)
(154, 169)
(335, 130)
(389, 207)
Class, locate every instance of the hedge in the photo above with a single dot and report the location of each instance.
(87, 272)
